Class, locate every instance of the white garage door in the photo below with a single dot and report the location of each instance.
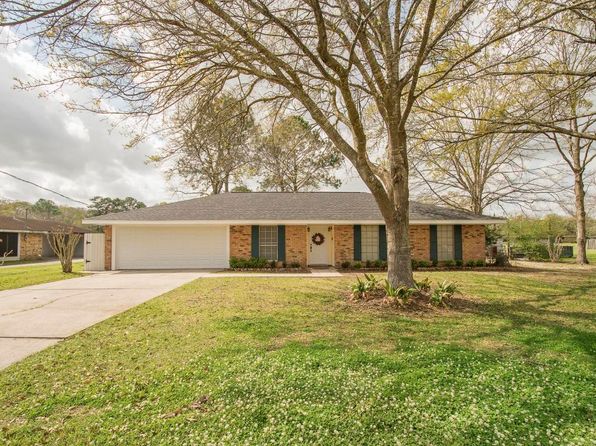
(170, 247)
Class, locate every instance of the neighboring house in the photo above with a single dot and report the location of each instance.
(28, 238)
(310, 228)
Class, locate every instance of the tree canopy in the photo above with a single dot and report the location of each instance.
(107, 205)
(353, 67)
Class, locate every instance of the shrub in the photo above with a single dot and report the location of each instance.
(253, 262)
(397, 294)
(383, 264)
(357, 265)
(372, 281)
(295, 265)
(368, 264)
(346, 264)
(448, 263)
(443, 292)
(423, 285)
(359, 289)
(362, 288)
(434, 263)
(480, 263)
(378, 264)
(423, 264)
(471, 263)
(459, 263)
(533, 250)
(415, 264)
(257, 262)
(272, 264)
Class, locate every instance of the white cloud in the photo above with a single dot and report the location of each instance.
(74, 127)
(77, 154)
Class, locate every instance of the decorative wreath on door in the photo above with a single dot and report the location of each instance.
(318, 238)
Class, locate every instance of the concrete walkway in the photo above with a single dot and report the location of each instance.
(34, 317)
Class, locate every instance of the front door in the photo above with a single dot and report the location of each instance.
(319, 238)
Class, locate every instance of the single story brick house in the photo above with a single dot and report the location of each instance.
(26, 238)
(309, 228)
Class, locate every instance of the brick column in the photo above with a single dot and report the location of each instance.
(240, 236)
(420, 242)
(30, 245)
(343, 243)
(474, 242)
(296, 244)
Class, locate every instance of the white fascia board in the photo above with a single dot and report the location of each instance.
(284, 222)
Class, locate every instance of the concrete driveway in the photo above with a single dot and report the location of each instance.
(35, 317)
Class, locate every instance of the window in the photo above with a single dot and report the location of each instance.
(9, 241)
(445, 244)
(268, 242)
(370, 242)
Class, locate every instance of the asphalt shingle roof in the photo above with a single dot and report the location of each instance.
(282, 206)
(8, 223)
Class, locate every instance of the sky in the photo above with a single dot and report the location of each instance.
(78, 154)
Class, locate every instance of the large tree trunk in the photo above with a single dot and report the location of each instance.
(399, 263)
(580, 217)
(397, 215)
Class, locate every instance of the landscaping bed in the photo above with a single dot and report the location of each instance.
(270, 270)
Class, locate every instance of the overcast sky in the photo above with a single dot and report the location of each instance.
(75, 153)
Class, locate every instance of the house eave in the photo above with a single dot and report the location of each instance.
(285, 222)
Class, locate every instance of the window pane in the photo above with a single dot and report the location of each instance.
(9, 242)
(445, 245)
(268, 242)
(370, 242)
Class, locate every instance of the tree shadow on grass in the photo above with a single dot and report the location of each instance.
(537, 323)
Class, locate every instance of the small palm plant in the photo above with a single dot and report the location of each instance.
(399, 294)
(443, 292)
(422, 286)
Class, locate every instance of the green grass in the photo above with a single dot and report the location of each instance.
(288, 361)
(591, 253)
(35, 274)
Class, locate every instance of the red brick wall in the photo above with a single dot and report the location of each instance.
(420, 242)
(107, 230)
(30, 245)
(296, 244)
(474, 243)
(343, 243)
(343, 239)
(240, 241)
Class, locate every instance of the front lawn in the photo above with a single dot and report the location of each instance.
(35, 274)
(283, 361)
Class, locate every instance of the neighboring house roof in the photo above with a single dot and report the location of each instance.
(15, 224)
(280, 207)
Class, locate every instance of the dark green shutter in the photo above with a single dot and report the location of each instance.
(281, 243)
(357, 242)
(382, 242)
(254, 242)
(434, 255)
(457, 242)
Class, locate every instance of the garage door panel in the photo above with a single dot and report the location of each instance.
(160, 247)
